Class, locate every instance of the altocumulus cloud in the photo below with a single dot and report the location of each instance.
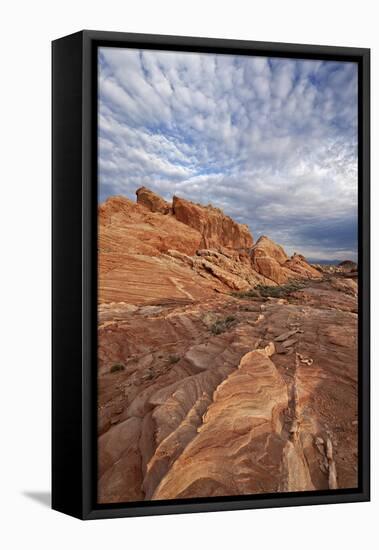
(271, 141)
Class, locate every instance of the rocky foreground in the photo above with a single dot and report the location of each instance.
(225, 367)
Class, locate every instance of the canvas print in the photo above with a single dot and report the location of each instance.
(227, 275)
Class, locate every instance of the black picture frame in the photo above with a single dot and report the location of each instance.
(74, 272)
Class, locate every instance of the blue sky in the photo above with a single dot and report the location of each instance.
(271, 141)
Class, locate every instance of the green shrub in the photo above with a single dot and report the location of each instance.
(222, 324)
(229, 319)
(279, 291)
(251, 293)
(265, 291)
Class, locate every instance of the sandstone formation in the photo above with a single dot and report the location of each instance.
(193, 252)
(266, 247)
(193, 412)
(246, 459)
(215, 227)
(152, 201)
(207, 384)
(269, 259)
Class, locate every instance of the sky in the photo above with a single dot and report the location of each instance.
(271, 141)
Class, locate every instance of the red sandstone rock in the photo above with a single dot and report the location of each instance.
(267, 247)
(152, 201)
(201, 393)
(239, 436)
(213, 416)
(271, 261)
(141, 229)
(299, 265)
(136, 240)
(127, 227)
(132, 243)
(216, 228)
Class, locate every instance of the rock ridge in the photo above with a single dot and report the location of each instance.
(193, 250)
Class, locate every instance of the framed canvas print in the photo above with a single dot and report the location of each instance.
(210, 274)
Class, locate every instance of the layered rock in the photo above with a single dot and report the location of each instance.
(129, 228)
(215, 227)
(266, 404)
(152, 201)
(270, 260)
(205, 392)
(299, 265)
(132, 242)
(266, 247)
(238, 448)
(192, 251)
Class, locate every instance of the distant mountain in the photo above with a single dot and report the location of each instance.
(323, 262)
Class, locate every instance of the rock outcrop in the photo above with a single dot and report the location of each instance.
(298, 264)
(270, 260)
(152, 201)
(348, 266)
(246, 458)
(215, 227)
(267, 403)
(132, 243)
(193, 251)
(265, 247)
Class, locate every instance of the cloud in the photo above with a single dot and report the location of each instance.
(272, 141)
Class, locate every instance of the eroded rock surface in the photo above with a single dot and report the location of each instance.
(152, 201)
(151, 250)
(270, 260)
(216, 228)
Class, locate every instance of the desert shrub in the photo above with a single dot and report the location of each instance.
(117, 367)
(173, 359)
(229, 319)
(251, 293)
(279, 291)
(222, 324)
(265, 291)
